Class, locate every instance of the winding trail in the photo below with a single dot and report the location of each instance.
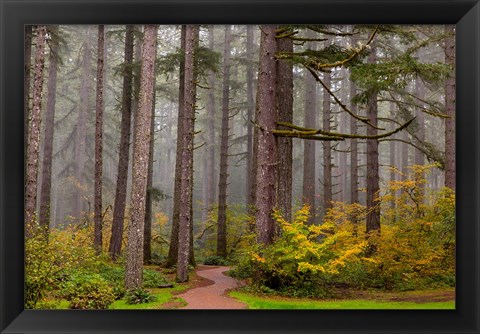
(213, 296)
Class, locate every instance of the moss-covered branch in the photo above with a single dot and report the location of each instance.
(300, 132)
(354, 54)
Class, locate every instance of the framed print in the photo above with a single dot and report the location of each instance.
(239, 166)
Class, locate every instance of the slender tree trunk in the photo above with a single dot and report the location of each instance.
(173, 249)
(343, 145)
(34, 130)
(419, 155)
(354, 149)
(327, 146)
(222, 183)
(141, 141)
(27, 55)
(46, 188)
(373, 181)
(284, 100)
(80, 138)
(122, 174)
(393, 174)
(250, 202)
(267, 147)
(147, 235)
(211, 129)
(209, 139)
(97, 218)
(185, 205)
(450, 109)
(309, 146)
(404, 157)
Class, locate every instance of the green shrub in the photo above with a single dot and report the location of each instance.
(87, 291)
(153, 279)
(139, 296)
(215, 260)
(48, 261)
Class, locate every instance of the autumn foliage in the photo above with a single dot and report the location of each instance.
(414, 250)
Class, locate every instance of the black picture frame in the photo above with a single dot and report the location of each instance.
(16, 13)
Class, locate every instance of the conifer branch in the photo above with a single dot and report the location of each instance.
(344, 107)
(301, 132)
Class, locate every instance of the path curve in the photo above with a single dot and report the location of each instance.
(213, 296)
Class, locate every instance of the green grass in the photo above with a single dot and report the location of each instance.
(164, 295)
(275, 303)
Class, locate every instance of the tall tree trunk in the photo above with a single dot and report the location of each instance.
(147, 235)
(27, 56)
(309, 179)
(373, 181)
(46, 188)
(122, 174)
(353, 148)
(327, 146)
(393, 174)
(250, 200)
(419, 155)
(97, 218)
(343, 145)
(222, 183)
(80, 138)
(211, 129)
(34, 130)
(284, 100)
(141, 141)
(185, 205)
(267, 148)
(450, 109)
(309, 146)
(173, 249)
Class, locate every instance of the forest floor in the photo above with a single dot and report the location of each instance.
(428, 299)
(212, 291)
(210, 288)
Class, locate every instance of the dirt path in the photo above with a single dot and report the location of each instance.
(213, 296)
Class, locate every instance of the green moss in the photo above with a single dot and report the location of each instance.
(262, 302)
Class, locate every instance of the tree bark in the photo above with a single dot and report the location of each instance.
(80, 138)
(393, 174)
(97, 218)
(327, 146)
(208, 185)
(222, 183)
(353, 148)
(27, 55)
(404, 156)
(250, 201)
(173, 249)
(147, 235)
(122, 174)
(450, 108)
(373, 181)
(309, 179)
(420, 133)
(211, 130)
(267, 148)
(185, 218)
(134, 258)
(46, 188)
(34, 130)
(284, 100)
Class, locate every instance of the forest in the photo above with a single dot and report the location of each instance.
(239, 166)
